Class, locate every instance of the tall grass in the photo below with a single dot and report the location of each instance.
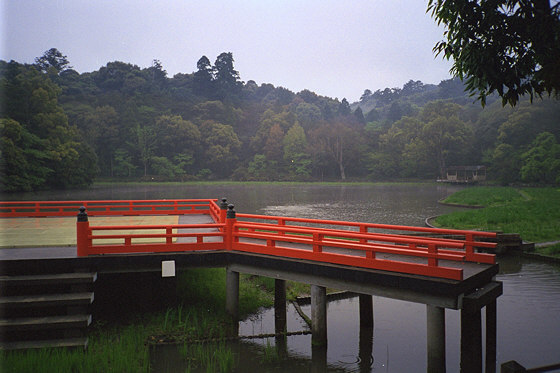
(535, 215)
(111, 350)
(123, 348)
(214, 358)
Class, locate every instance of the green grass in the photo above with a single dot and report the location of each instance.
(214, 357)
(535, 214)
(123, 347)
(484, 196)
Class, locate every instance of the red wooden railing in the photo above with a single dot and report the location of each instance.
(127, 242)
(471, 239)
(12, 209)
(349, 243)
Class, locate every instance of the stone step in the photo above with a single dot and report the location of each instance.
(47, 279)
(47, 322)
(49, 300)
(52, 343)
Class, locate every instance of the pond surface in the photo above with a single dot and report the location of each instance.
(528, 311)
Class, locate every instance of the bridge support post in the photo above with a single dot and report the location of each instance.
(471, 328)
(436, 338)
(232, 298)
(280, 319)
(366, 311)
(82, 228)
(471, 341)
(318, 315)
(491, 332)
(365, 347)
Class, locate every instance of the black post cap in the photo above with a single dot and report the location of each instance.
(82, 215)
(224, 204)
(230, 212)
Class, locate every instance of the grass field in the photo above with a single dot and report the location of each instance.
(534, 213)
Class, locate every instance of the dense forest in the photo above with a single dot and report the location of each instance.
(60, 128)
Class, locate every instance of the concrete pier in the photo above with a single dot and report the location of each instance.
(366, 311)
(280, 319)
(435, 325)
(232, 294)
(318, 315)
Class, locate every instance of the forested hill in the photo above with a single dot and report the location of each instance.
(61, 128)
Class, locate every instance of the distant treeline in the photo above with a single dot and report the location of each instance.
(60, 128)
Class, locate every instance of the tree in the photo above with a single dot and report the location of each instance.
(226, 77)
(295, 145)
(507, 46)
(365, 96)
(339, 142)
(344, 108)
(53, 58)
(157, 74)
(39, 148)
(541, 163)
(221, 146)
(203, 77)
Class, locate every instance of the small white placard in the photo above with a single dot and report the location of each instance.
(168, 268)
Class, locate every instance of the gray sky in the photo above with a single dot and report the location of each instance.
(334, 48)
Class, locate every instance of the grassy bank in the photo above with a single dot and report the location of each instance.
(534, 213)
(123, 347)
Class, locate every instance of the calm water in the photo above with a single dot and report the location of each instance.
(528, 311)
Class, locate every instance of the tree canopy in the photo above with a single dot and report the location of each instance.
(511, 47)
(63, 129)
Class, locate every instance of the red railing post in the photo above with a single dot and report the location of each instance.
(469, 248)
(223, 210)
(432, 249)
(230, 224)
(317, 241)
(168, 234)
(281, 223)
(82, 232)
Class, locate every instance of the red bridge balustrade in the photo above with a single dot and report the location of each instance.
(363, 245)
(12, 209)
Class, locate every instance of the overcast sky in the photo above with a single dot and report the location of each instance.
(334, 48)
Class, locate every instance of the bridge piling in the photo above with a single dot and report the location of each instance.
(366, 311)
(318, 315)
(435, 326)
(280, 316)
(232, 297)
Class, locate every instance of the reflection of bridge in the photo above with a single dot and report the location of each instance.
(400, 262)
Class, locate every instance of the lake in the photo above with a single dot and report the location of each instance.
(528, 311)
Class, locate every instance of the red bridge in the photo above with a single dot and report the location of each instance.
(438, 267)
(419, 252)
